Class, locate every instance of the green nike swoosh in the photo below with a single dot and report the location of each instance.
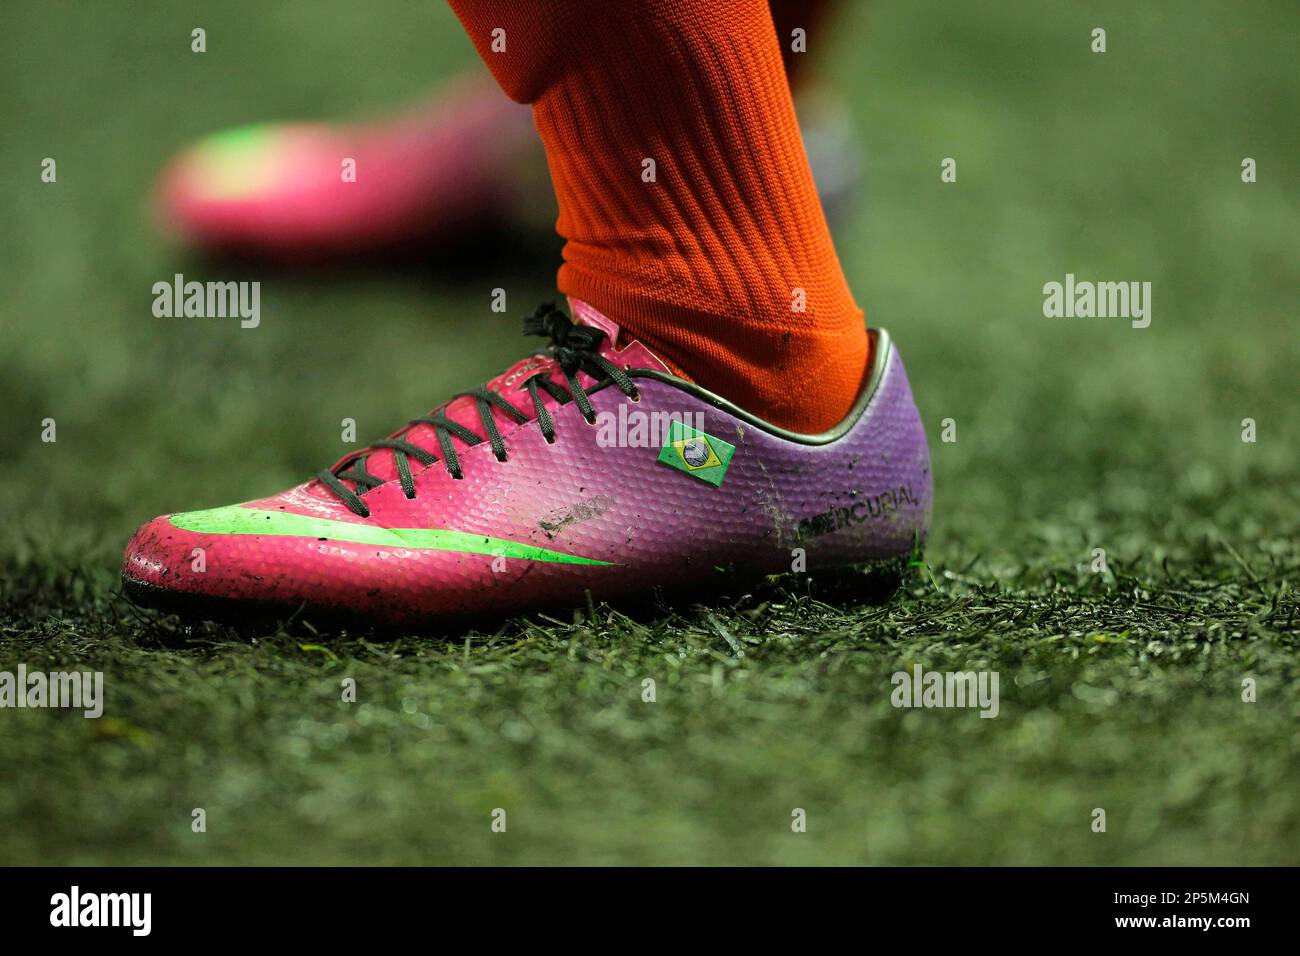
(236, 520)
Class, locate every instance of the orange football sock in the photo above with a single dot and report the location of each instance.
(686, 201)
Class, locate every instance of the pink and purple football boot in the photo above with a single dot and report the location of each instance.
(588, 467)
(305, 192)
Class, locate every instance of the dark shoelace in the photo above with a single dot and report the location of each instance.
(574, 348)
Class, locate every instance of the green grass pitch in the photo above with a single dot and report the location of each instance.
(1119, 690)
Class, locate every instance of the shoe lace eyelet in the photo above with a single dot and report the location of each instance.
(572, 345)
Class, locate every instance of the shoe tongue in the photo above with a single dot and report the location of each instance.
(625, 352)
(510, 385)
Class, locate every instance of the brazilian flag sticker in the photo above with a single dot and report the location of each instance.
(699, 455)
